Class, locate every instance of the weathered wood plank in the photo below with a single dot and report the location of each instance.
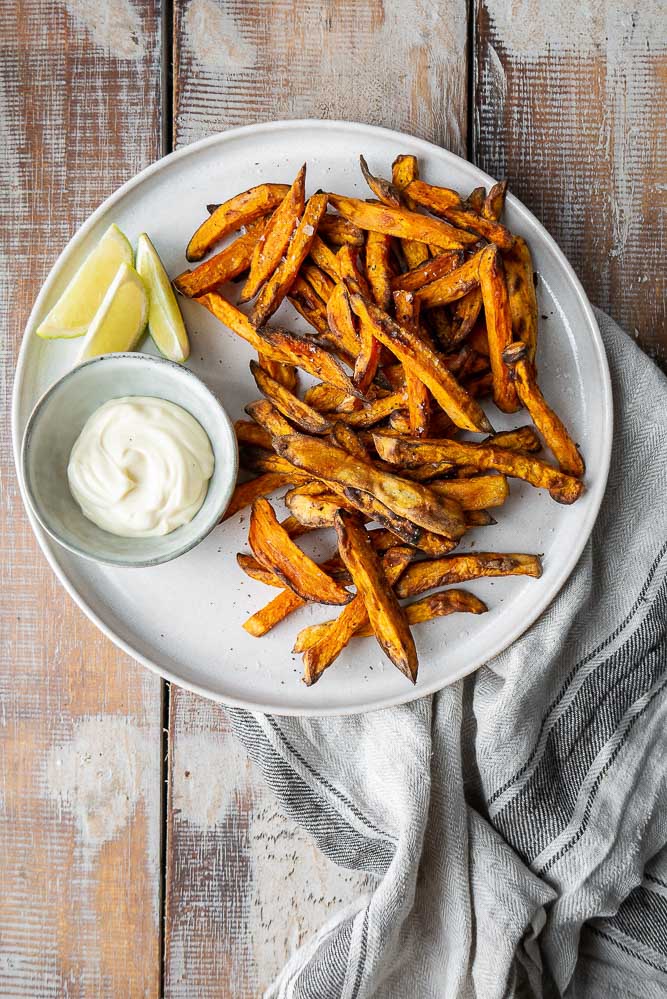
(80, 725)
(244, 886)
(570, 101)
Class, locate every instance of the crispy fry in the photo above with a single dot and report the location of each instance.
(346, 438)
(436, 605)
(340, 231)
(423, 576)
(288, 404)
(255, 570)
(401, 528)
(275, 239)
(475, 199)
(447, 203)
(426, 365)
(419, 399)
(375, 411)
(305, 353)
(380, 187)
(498, 326)
(428, 271)
(274, 548)
(378, 268)
(562, 487)
(401, 223)
(320, 654)
(326, 398)
(318, 280)
(475, 494)
(316, 511)
(224, 266)
(238, 211)
(385, 614)
(545, 419)
(522, 298)
(350, 271)
(465, 314)
(452, 285)
(286, 374)
(494, 201)
(323, 257)
(440, 424)
(248, 432)
(258, 460)
(309, 304)
(520, 439)
(280, 282)
(479, 518)
(246, 493)
(408, 499)
(481, 386)
(341, 320)
(403, 170)
(273, 613)
(268, 418)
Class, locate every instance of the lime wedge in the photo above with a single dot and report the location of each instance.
(165, 322)
(73, 312)
(121, 318)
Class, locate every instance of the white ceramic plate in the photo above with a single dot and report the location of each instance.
(183, 619)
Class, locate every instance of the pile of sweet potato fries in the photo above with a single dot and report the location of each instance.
(421, 303)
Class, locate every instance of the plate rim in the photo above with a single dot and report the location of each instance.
(48, 546)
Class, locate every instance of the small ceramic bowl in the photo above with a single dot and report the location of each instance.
(56, 422)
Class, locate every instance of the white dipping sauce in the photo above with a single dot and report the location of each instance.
(140, 467)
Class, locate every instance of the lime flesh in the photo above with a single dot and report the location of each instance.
(121, 318)
(165, 322)
(73, 312)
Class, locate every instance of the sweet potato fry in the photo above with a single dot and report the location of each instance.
(548, 422)
(440, 424)
(318, 280)
(288, 404)
(326, 398)
(340, 320)
(275, 239)
(286, 374)
(324, 258)
(408, 499)
(280, 282)
(238, 211)
(316, 511)
(251, 433)
(381, 188)
(350, 270)
(522, 298)
(498, 326)
(375, 411)
(419, 399)
(452, 285)
(447, 203)
(345, 437)
(268, 419)
(479, 518)
(426, 365)
(274, 548)
(368, 358)
(320, 654)
(309, 305)
(520, 439)
(423, 576)
(340, 231)
(436, 605)
(475, 494)
(273, 613)
(305, 353)
(224, 266)
(562, 487)
(385, 614)
(428, 271)
(246, 493)
(403, 170)
(494, 202)
(378, 268)
(255, 570)
(401, 223)
(475, 199)
(464, 315)
(403, 530)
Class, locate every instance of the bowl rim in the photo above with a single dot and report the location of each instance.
(211, 522)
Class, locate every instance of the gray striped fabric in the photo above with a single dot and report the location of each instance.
(515, 824)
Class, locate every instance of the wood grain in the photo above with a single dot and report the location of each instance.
(570, 101)
(80, 724)
(244, 885)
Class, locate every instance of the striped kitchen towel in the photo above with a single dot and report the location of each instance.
(514, 825)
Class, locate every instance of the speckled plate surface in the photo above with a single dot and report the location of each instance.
(183, 619)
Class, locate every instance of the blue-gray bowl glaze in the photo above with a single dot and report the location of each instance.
(56, 422)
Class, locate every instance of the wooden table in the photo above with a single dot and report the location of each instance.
(140, 853)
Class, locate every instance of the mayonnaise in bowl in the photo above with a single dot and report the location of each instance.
(140, 467)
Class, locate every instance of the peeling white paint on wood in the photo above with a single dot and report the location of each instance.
(114, 25)
(214, 38)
